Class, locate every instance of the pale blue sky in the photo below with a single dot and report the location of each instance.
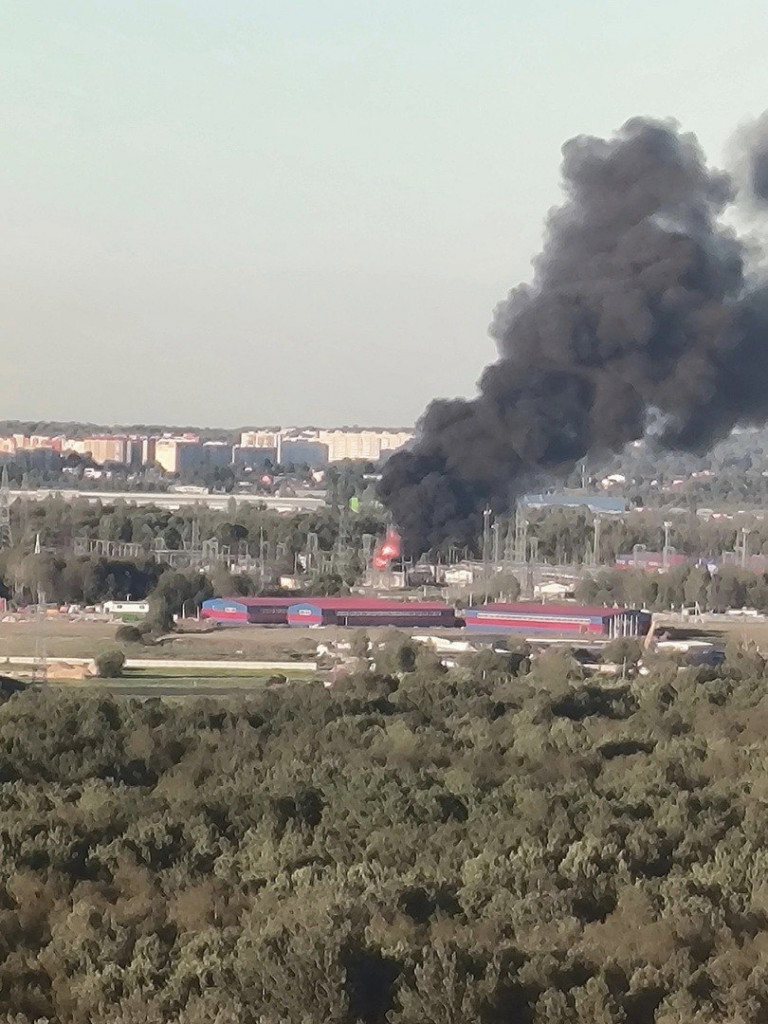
(245, 211)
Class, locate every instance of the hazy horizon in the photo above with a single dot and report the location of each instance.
(303, 213)
(222, 427)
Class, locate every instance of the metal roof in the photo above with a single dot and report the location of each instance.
(594, 502)
(372, 604)
(565, 610)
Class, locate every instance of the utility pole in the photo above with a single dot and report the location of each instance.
(487, 513)
(596, 542)
(496, 531)
(40, 667)
(341, 553)
(744, 542)
(6, 537)
(312, 556)
(665, 550)
(368, 542)
(262, 559)
(521, 535)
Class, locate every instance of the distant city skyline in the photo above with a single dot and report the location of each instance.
(309, 209)
(174, 452)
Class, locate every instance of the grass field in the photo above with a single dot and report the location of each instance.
(210, 673)
(139, 683)
(67, 639)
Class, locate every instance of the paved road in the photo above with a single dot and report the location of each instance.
(181, 690)
(302, 503)
(173, 663)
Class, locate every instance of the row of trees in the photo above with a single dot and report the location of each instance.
(59, 523)
(500, 842)
(562, 535)
(283, 542)
(244, 529)
(567, 535)
(683, 586)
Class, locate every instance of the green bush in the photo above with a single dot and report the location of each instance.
(129, 634)
(109, 664)
(622, 651)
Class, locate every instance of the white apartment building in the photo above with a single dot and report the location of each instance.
(75, 444)
(362, 444)
(259, 438)
(342, 443)
(176, 453)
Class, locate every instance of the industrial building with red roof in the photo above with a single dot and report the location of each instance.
(526, 618)
(570, 620)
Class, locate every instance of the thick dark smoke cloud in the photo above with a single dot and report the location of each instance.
(753, 141)
(639, 308)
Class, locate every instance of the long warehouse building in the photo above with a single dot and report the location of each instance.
(526, 619)
(363, 611)
(565, 620)
(247, 611)
(328, 611)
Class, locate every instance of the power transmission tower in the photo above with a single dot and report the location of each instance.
(6, 537)
(509, 541)
(341, 552)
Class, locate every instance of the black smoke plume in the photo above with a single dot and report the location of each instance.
(641, 307)
(753, 140)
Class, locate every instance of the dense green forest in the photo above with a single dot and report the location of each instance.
(426, 847)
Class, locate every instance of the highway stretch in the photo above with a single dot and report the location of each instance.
(173, 501)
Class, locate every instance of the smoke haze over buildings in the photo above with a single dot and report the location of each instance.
(643, 305)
